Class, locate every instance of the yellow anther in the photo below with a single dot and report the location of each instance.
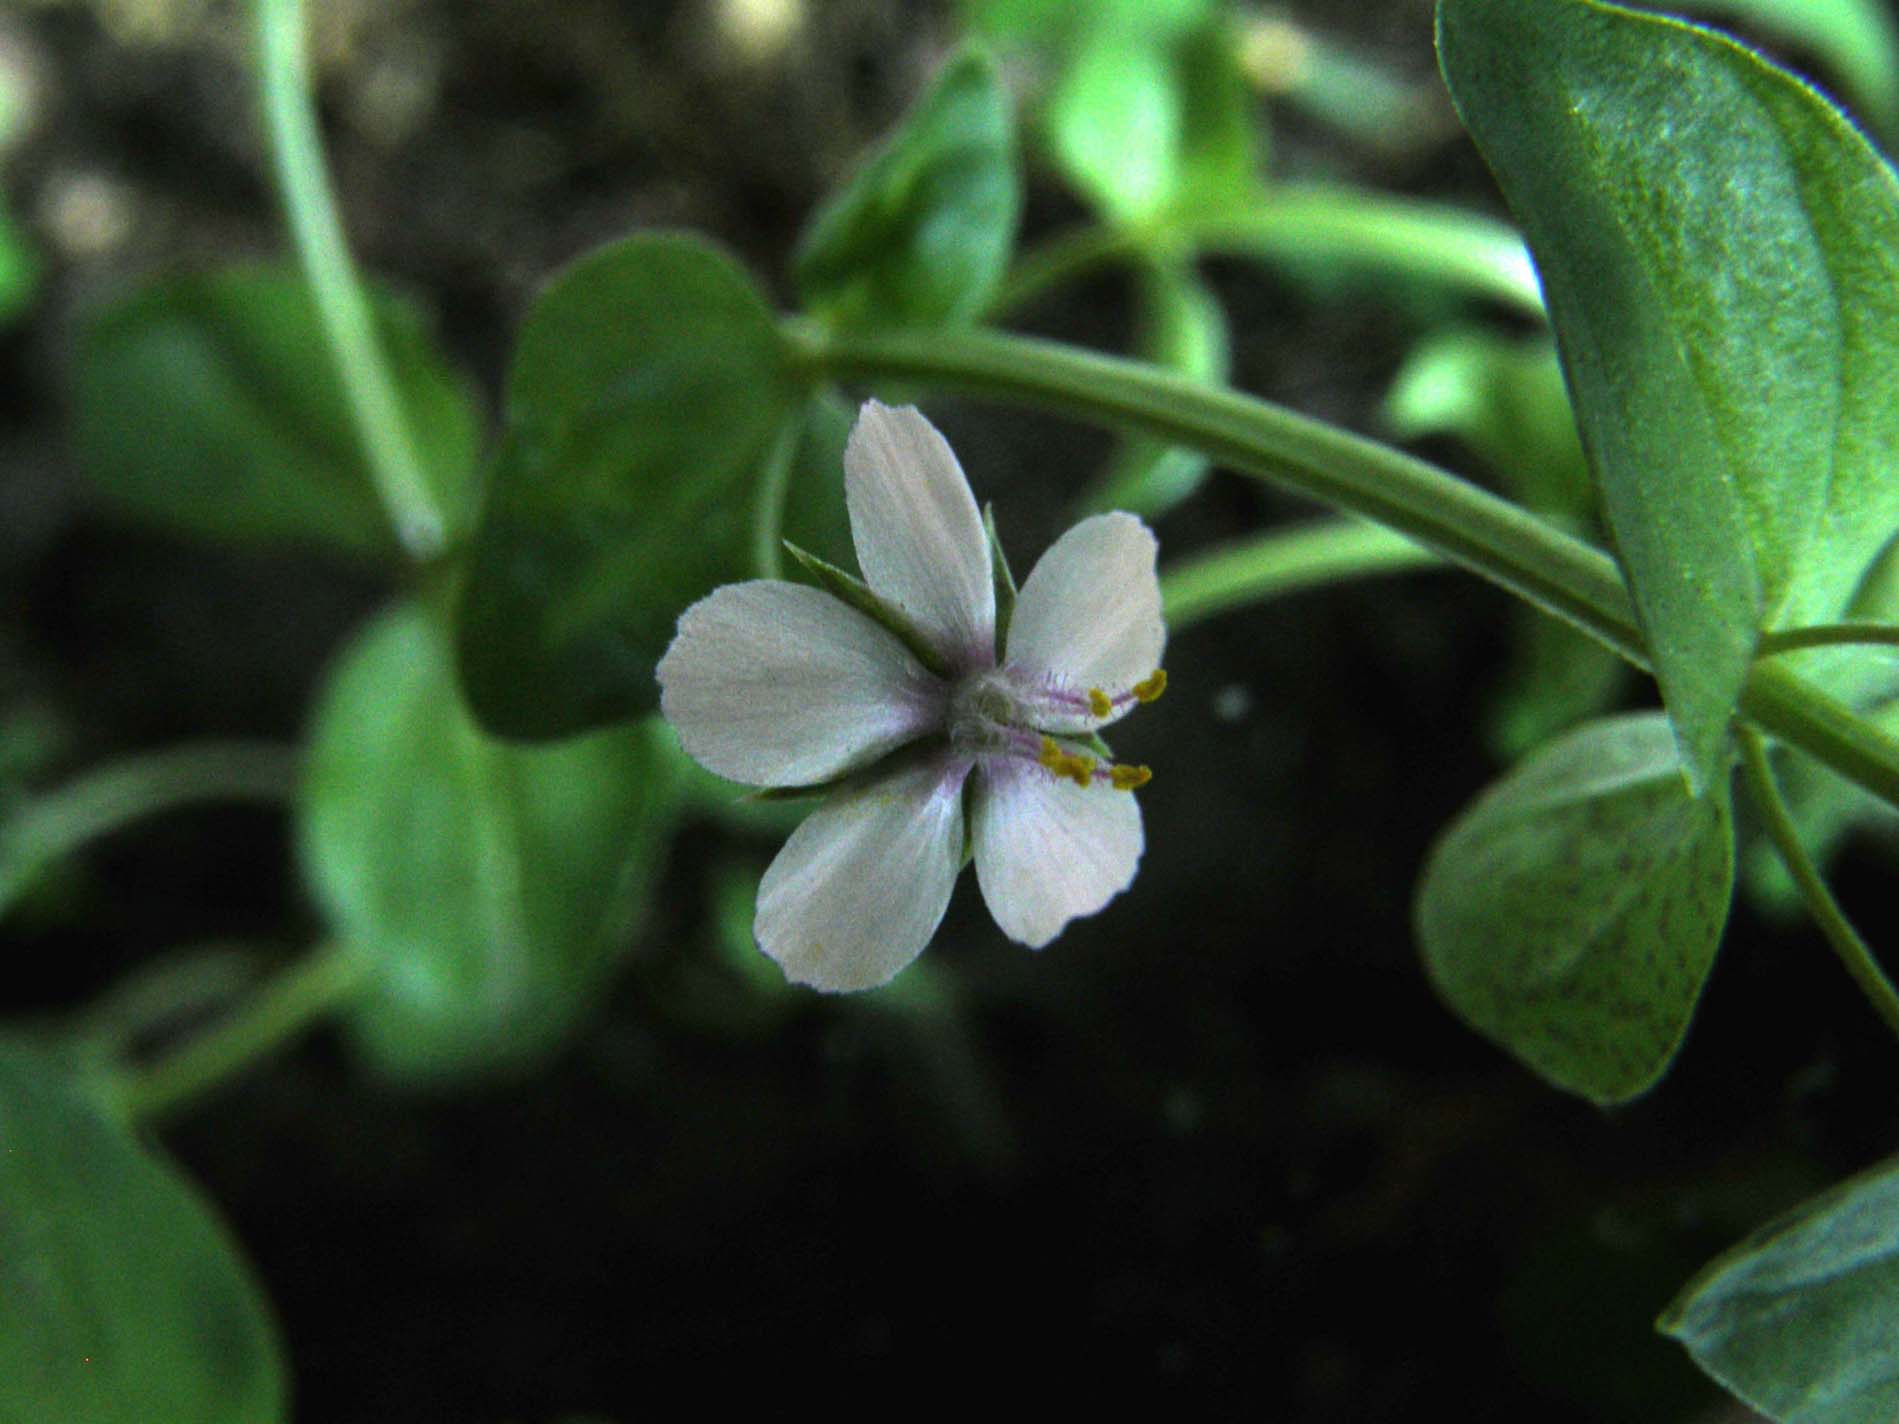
(1152, 686)
(1099, 702)
(1077, 767)
(1126, 778)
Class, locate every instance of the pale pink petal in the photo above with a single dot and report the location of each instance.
(862, 884)
(776, 684)
(1048, 851)
(1089, 615)
(919, 539)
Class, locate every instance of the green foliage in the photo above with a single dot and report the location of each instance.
(493, 887)
(210, 404)
(122, 1298)
(1727, 305)
(1798, 1319)
(814, 515)
(1571, 913)
(1857, 41)
(922, 234)
(19, 270)
(646, 390)
(1183, 328)
(1146, 109)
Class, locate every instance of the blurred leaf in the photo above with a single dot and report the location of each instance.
(1114, 124)
(1054, 22)
(1798, 1319)
(1856, 40)
(1183, 328)
(1505, 399)
(493, 887)
(122, 1298)
(1326, 231)
(1708, 230)
(210, 404)
(815, 516)
(19, 269)
(1571, 913)
(647, 387)
(922, 234)
(1147, 115)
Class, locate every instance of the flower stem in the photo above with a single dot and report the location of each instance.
(297, 999)
(1829, 635)
(337, 289)
(1284, 561)
(54, 825)
(1467, 525)
(1853, 951)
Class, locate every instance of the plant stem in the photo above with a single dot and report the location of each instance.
(58, 823)
(1306, 222)
(1829, 635)
(1284, 561)
(1469, 526)
(1847, 944)
(774, 485)
(335, 286)
(296, 1000)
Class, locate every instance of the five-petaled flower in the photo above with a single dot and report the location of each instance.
(931, 747)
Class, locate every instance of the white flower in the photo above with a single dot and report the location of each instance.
(781, 685)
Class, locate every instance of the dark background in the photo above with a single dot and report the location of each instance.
(1220, 1139)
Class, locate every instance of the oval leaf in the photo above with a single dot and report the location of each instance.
(645, 394)
(923, 232)
(1572, 912)
(1798, 1319)
(492, 886)
(210, 404)
(122, 1298)
(1720, 252)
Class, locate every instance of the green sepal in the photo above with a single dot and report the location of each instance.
(1000, 574)
(860, 596)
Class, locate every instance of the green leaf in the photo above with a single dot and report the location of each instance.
(1147, 116)
(1857, 41)
(1720, 253)
(19, 269)
(122, 1298)
(210, 404)
(815, 516)
(1183, 328)
(921, 235)
(493, 887)
(1113, 124)
(648, 386)
(1798, 1319)
(1571, 913)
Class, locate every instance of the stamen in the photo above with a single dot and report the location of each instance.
(1099, 702)
(1152, 686)
(1077, 767)
(1126, 778)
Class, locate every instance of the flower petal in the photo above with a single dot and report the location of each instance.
(862, 884)
(776, 684)
(1048, 850)
(1090, 613)
(919, 539)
